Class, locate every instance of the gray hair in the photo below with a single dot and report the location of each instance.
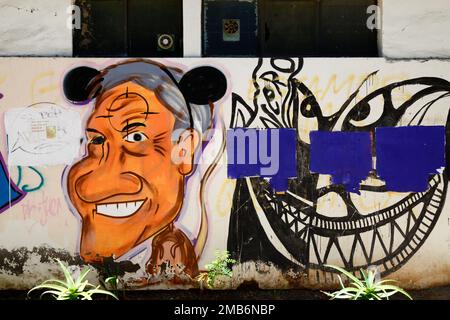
(152, 75)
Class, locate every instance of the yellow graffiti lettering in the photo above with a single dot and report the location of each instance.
(332, 83)
(225, 198)
(43, 84)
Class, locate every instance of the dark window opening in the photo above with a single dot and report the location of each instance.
(133, 28)
(322, 28)
(229, 28)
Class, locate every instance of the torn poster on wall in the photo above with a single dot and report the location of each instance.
(42, 134)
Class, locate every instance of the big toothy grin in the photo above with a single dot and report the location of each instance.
(385, 238)
(119, 209)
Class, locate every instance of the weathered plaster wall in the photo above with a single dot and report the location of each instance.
(35, 28)
(192, 28)
(48, 222)
(415, 28)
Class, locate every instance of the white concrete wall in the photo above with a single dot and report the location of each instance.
(415, 28)
(30, 27)
(192, 28)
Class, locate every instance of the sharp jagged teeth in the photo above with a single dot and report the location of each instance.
(289, 219)
(302, 216)
(119, 210)
(385, 238)
(359, 257)
(396, 236)
(377, 252)
(292, 209)
(346, 242)
(315, 244)
(334, 256)
(385, 231)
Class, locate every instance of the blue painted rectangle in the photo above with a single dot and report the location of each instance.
(346, 156)
(269, 153)
(406, 156)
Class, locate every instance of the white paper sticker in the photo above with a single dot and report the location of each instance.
(42, 134)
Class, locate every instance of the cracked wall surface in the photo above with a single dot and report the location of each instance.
(35, 28)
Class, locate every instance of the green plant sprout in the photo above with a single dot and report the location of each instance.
(369, 288)
(72, 289)
(218, 267)
(111, 282)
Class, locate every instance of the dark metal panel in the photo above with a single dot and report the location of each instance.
(343, 29)
(130, 28)
(319, 28)
(103, 29)
(288, 28)
(230, 28)
(155, 28)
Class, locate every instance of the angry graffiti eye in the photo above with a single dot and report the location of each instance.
(98, 140)
(135, 137)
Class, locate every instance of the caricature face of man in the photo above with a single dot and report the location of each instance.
(127, 188)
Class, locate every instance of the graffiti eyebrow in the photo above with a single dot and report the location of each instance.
(108, 116)
(92, 130)
(150, 112)
(132, 125)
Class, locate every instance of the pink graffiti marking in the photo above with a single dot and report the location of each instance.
(45, 209)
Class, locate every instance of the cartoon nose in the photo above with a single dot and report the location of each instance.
(98, 185)
(107, 179)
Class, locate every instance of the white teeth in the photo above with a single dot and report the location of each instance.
(119, 210)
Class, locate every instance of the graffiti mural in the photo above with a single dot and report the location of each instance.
(128, 188)
(10, 194)
(293, 229)
(144, 168)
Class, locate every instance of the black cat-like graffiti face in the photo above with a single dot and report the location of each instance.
(316, 222)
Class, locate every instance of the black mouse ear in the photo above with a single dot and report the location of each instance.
(76, 83)
(203, 85)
